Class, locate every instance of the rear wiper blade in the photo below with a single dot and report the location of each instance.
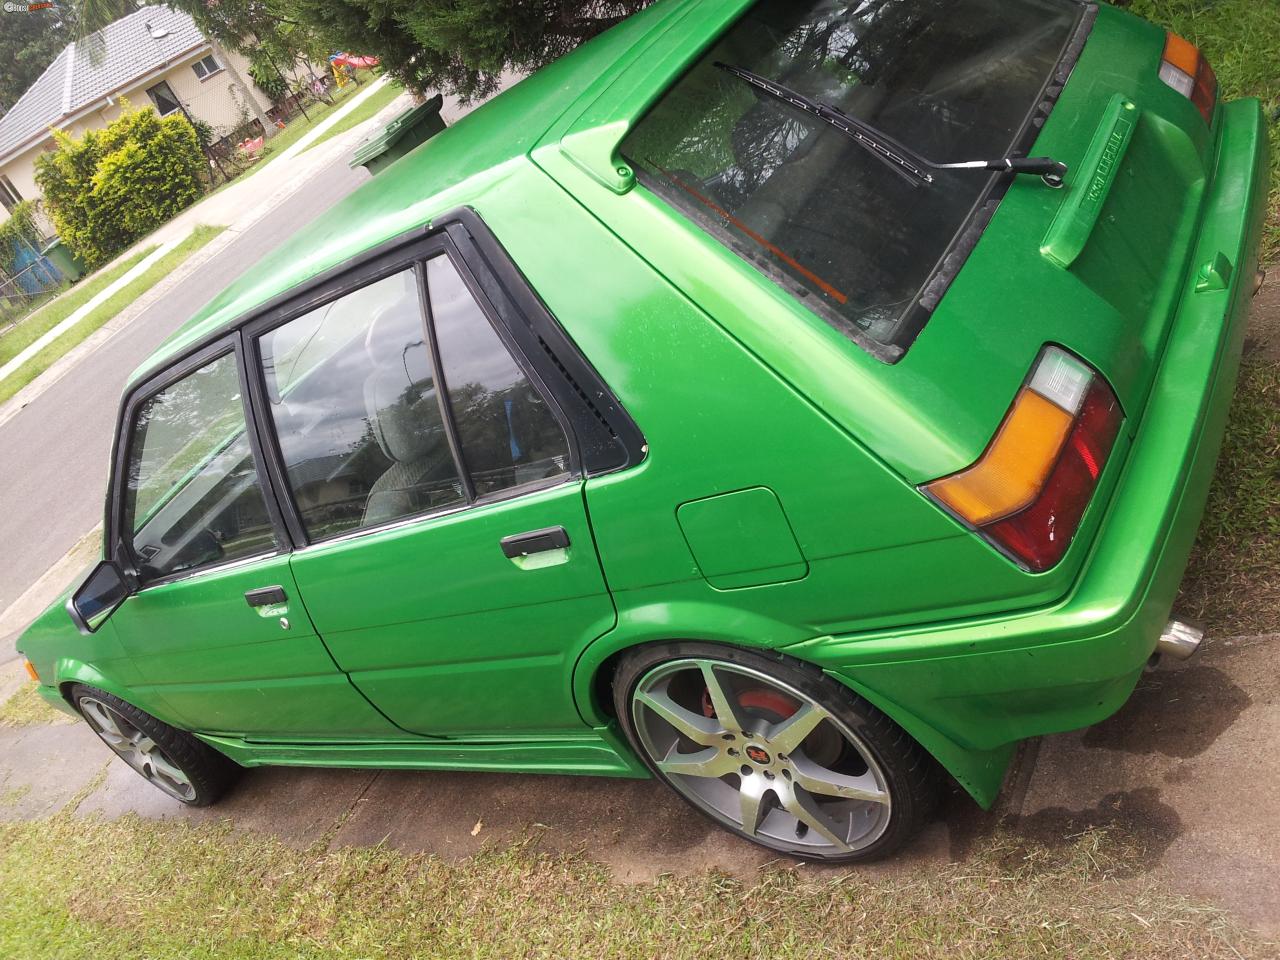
(909, 164)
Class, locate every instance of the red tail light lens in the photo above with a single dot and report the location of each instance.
(1186, 70)
(1029, 491)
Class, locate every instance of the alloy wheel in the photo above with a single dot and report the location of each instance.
(761, 757)
(137, 749)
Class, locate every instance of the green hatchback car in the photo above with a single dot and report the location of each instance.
(798, 402)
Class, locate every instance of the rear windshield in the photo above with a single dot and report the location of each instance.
(953, 79)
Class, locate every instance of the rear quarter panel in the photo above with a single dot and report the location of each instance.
(717, 420)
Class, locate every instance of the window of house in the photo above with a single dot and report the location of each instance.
(9, 195)
(163, 97)
(206, 67)
(358, 413)
(192, 494)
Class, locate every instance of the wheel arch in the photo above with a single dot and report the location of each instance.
(68, 672)
(642, 626)
(979, 772)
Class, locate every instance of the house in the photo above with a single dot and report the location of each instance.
(155, 56)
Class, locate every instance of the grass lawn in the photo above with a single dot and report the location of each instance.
(27, 708)
(105, 311)
(13, 342)
(300, 126)
(1233, 584)
(1241, 38)
(360, 114)
(170, 891)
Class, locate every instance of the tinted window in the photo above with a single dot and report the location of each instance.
(353, 398)
(829, 220)
(192, 495)
(509, 436)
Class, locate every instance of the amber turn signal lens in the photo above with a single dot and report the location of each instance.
(31, 671)
(1028, 492)
(1185, 69)
(1013, 470)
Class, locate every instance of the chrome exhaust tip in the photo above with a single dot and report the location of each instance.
(1259, 280)
(1180, 640)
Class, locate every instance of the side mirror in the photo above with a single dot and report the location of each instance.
(98, 597)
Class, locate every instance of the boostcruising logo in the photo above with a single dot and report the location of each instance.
(11, 7)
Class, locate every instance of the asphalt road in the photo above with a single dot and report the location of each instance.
(54, 454)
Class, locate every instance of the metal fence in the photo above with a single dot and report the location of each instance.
(25, 290)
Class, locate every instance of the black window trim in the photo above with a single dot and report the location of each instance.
(414, 253)
(413, 256)
(118, 539)
(573, 388)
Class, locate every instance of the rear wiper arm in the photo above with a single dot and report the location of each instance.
(909, 164)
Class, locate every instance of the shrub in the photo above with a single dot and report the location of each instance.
(19, 230)
(111, 187)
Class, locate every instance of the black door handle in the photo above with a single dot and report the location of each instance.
(265, 596)
(535, 541)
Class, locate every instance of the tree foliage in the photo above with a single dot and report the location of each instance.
(460, 46)
(29, 42)
(111, 187)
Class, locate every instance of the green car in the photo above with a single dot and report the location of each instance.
(798, 402)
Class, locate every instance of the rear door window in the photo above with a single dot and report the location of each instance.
(824, 217)
(366, 433)
(508, 434)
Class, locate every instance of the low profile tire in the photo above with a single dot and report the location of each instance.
(775, 750)
(171, 760)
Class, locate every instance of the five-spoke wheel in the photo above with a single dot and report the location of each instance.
(170, 759)
(782, 756)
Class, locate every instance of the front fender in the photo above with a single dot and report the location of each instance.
(69, 671)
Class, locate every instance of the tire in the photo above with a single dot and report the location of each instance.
(172, 760)
(803, 766)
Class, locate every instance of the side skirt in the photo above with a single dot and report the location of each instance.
(599, 752)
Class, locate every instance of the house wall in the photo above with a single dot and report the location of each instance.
(217, 100)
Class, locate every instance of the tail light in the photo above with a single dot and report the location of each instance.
(1029, 490)
(1186, 70)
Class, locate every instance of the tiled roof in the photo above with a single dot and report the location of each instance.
(86, 72)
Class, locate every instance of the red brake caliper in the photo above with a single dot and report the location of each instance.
(778, 706)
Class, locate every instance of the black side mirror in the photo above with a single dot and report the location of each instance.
(98, 597)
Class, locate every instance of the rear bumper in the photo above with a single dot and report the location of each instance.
(969, 690)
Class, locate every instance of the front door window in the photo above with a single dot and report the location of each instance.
(192, 493)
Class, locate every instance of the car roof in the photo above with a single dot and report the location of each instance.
(436, 177)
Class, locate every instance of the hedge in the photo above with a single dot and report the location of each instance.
(111, 187)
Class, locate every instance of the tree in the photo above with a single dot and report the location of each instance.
(461, 46)
(29, 42)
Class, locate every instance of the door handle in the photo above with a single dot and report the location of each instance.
(535, 541)
(265, 596)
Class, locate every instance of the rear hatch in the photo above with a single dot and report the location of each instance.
(1098, 267)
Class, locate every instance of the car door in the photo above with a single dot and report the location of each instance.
(216, 628)
(449, 563)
